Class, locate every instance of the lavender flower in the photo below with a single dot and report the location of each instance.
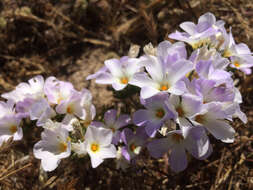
(157, 111)
(134, 142)
(113, 123)
(118, 72)
(166, 69)
(201, 34)
(192, 139)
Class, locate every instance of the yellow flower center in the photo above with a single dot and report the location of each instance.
(13, 129)
(63, 146)
(180, 111)
(160, 113)
(124, 80)
(94, 147)
(177, 137)
(237, 64)
(164, 87)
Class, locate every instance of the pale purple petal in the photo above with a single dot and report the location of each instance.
(140, 117)
(123, 120)
(188, 27)
(221, 130)
(147, 92)
(110, 117)
(157, 148)
(178, 159)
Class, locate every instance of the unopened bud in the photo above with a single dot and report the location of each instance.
(134, 51)
(149, 49)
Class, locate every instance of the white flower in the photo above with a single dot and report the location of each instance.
(56, 90)
(54, 146)
(9, 127)
(33, 89)
(98, 145)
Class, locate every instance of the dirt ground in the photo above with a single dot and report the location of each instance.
(70, 39)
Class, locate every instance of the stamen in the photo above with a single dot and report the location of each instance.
(124, 80)
(94, 147)
(237, 64)
(164, 87)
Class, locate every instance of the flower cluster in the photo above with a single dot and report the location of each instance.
(185, 96)
(56, 106)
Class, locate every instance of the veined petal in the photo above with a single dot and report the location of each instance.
(179, 69)
(147, 92)
(50, 163)
(188, 27)
(95, 161)
(221, 130)
(115, 67)
(100, 135)
(118, 86)
(191, 105)
(105, 78)
(107, 152)
(142, 79)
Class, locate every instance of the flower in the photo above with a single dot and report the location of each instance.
(56, 90)
(192, 139)
(158, 110)
(201, 34)
(9, 122)
(118, 72)
(113, 123)
(185, 106)
(134, 142)
(166, 69)
(33, 90)
(98, 144)
(77, 104)
(240, 55)
(54, 146)
(9, 127)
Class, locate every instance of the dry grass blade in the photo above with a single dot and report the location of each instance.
(15, 171)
